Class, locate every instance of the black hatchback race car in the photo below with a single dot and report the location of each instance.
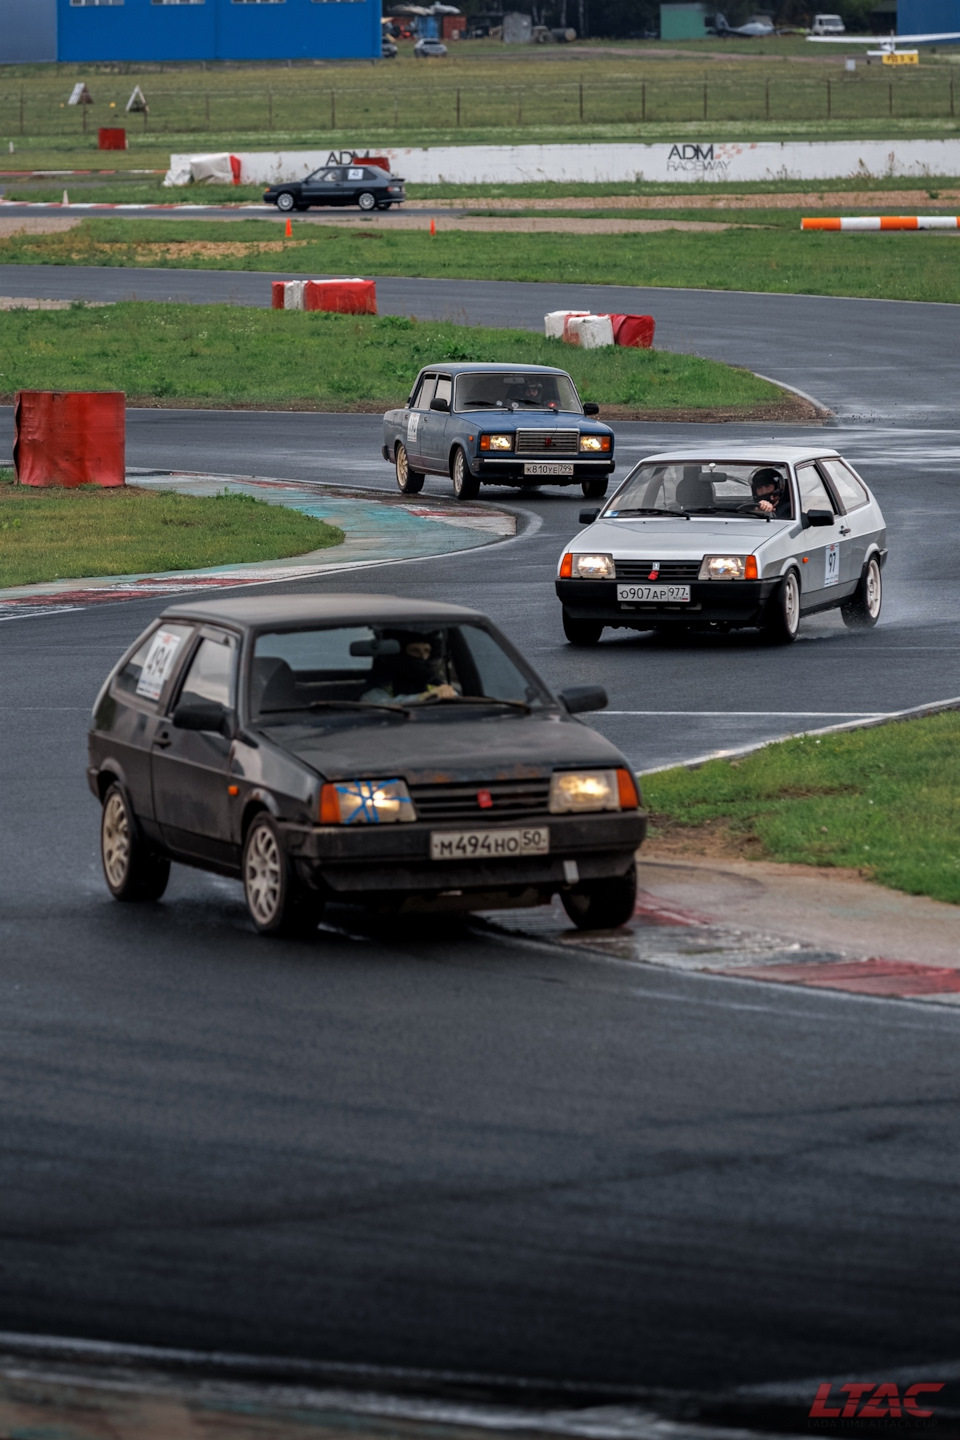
(357, 748)
(365, 185)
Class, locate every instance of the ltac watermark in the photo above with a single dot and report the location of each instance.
(864, 1406)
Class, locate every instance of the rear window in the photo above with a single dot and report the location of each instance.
(153, 662)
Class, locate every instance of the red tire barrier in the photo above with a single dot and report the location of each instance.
(235, 168)
(634, 331)
(344, 297)
(69, 437)
(111, 137)
(276, 294)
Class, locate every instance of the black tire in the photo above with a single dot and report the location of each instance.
(132, 870)
(594, 489)
(862, 610)
(276, 903)
(367, 201)
(602, 904)
(465, 485)
(409, 482)
(286, 202)
(782, 619)
(582, 632)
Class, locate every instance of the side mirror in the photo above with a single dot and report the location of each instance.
(202, 715)
(579, 698)
(817, 517)
(587, 517)
(443, 405)
(590, 408)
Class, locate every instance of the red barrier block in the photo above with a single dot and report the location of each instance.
(634, 331)
(276, 295)
(235, 168)
(381, 161)
(111, 137)
(344, 297)
(69, 438)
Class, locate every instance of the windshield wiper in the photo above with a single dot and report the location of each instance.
(476, 700)
(336, 705)
(651, 510)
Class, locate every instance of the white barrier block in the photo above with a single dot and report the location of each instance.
(591, 331)
(293, 294)
(554, 322)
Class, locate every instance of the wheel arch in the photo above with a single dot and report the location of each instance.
(256, 803)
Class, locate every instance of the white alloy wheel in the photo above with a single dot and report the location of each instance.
(873, 588)
(782, 619)
(285, 201)
(791, 604)
(862, 610)
(409, 482)
(465, 485)
(366, 201)
(115, 840)
(264, 875)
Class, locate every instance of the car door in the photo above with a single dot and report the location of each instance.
(820, 557)
(434, 425)
(354, 181)
(416, 414)
(189, 768)
(313, 188)
(329, 189)
(858, 527)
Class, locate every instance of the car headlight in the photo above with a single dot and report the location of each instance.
(728, 567)
(576, 791)
(365, 802)
(587, 567)
(496, 442)
(594, 442)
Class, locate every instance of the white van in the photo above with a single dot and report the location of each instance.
(828, 25)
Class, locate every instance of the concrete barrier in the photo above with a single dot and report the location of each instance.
(590, 332)
(69, 438)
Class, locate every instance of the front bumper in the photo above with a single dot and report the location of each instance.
(394, 860)
(712, 602)
(509, 470)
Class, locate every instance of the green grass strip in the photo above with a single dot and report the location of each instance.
(226, 354)
(885, 801)
(65, 534)
(775, 258)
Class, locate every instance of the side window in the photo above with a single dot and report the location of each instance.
(848, 487)
(332, 176)
(496, 672)
(210, 676)
(355, 172)
(813, 492)
(148, 669)
(444, 389)
(425, 395)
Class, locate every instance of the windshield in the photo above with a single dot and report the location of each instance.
(699, 487)
(528, 391)
(346, 672)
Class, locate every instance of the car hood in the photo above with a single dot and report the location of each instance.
(676, 540)
(455, 750)
(548, 419)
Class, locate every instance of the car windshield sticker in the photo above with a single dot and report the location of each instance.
(157, 665)
(354, 174)
(413, 425)
(832, 564)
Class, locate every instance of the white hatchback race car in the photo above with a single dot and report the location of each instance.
(725, 539)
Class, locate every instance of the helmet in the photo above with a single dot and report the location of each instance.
(767, 476)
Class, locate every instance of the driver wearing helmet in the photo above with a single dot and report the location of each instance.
(771, 492)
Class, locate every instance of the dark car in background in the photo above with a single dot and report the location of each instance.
(497, 424)
(357, 748)
(368, 186)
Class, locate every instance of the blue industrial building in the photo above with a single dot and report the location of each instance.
(927, 17)
(157, 30)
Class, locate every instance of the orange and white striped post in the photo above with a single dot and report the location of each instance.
(882, 222)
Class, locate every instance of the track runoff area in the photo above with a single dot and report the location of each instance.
(247, 1152)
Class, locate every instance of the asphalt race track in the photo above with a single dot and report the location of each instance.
(431, 1147)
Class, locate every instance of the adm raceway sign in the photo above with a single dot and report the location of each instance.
(701, 160)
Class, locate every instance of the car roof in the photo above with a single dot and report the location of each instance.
(493, 368)
(259, 612)
(746, 454)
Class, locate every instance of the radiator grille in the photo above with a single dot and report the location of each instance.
(548, 442)
(671, 572)
(511, 799)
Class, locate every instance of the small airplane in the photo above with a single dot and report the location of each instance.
(887, 44)
(757, 26)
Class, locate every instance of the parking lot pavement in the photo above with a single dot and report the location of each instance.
(785, 924)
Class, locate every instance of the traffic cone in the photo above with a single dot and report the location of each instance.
(433, 227)
(288, 233)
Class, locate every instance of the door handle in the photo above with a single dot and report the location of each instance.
(162, 740)
(846, 530)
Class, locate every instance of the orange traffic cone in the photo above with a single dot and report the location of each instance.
(288, 233)
(433, 227)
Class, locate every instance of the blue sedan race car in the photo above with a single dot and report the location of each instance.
(522, 425)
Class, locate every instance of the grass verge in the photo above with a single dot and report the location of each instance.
(774, 257)
(883, 801)
(257, 357)
(60, 534)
